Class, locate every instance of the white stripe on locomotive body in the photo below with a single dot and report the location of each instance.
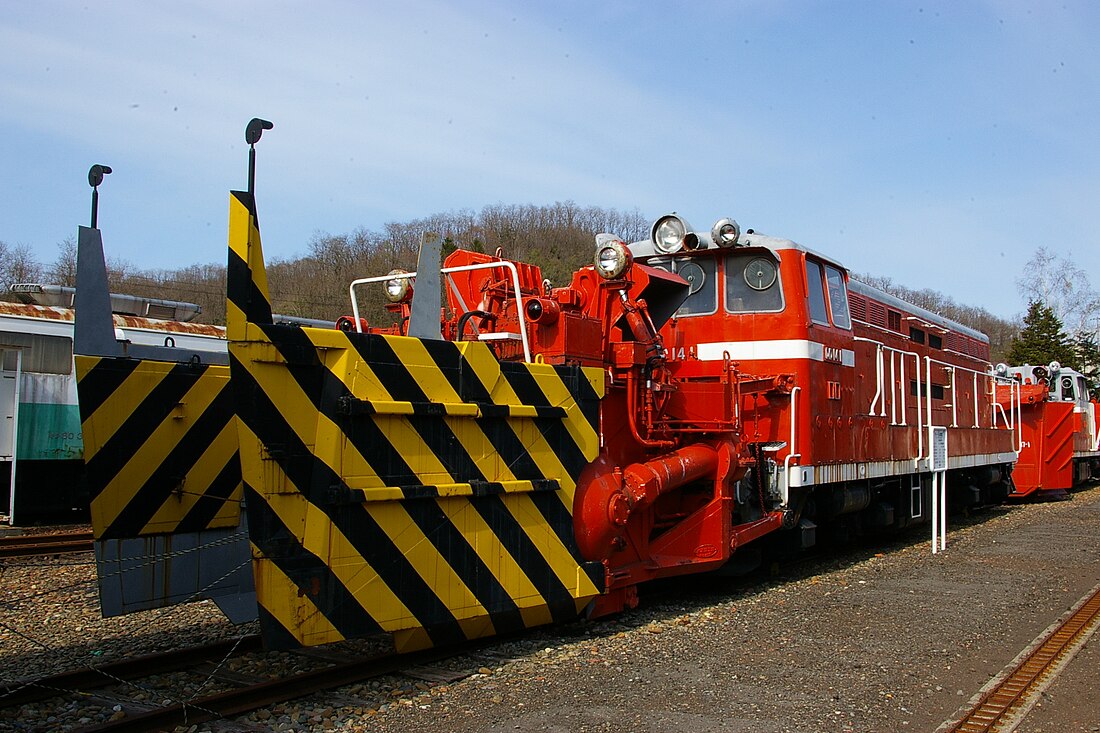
(775, 350)
(831, 473)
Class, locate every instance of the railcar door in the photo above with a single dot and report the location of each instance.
(8, 409)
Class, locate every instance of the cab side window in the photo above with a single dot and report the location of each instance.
(815, 291)
(838, 297)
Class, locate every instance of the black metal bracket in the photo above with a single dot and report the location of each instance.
(252, 134)
(95, 177)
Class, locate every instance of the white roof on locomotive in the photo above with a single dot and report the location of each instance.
(646, 248)
(922, 313)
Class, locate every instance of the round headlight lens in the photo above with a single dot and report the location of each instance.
(396, 288)
(668, 234)
(725, 233)
(612, 256)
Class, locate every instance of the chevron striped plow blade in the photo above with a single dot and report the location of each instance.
(160, 450)
(414, 486)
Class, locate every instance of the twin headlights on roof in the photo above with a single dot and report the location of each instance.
(671, 234)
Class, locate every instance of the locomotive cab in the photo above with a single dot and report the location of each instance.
(768, 306)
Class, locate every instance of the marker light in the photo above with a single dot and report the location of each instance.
(613, 258)
(396, 289)
(725, 233)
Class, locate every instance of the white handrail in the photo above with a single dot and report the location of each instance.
(955, 367)
(975, 392)
(1013, 420)
(893, 402)
(511, 266)
(954, 399)
(928, 405)
(880, 392)
(791, 443)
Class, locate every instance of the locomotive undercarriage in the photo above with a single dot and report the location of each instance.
(849, 509)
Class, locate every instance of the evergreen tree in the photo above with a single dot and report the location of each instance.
(1042, 340)
(1088, 359)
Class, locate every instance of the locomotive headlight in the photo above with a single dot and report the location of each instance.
(395, 289)
(669, 233)
(725, 233)
(613, 258)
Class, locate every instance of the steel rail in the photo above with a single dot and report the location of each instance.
(1026, 677)
(252, 697)
(104, 675)
(25, 545)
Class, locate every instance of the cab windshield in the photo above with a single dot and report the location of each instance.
(752, 283)
(701, 275)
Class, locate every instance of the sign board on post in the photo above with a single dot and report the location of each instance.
(939, 449)
(938, 440)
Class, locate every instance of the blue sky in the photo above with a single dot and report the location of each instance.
(937, 143)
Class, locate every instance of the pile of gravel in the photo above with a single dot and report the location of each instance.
(883, 638)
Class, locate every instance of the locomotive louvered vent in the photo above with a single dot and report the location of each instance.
(955, 342)
(859, 306)
(876, 314)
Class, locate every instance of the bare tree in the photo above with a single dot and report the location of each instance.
(18, 265)
(1064, 286)
(1001, 332)
(63, 269)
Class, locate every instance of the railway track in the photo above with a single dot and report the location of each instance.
(201, 659)
(270, 692)
(81, 680)
(29, 545)
(1007, 700)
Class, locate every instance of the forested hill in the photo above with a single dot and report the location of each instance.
(558, 237)
(1000, 331)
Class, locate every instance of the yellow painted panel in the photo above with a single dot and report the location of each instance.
(425, 559)
(125, 484)
(279, 596)
(220, 451)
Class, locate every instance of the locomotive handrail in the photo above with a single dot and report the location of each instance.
(878, 376)
(952, 368)
(791, 451)
(1015, 406)
(880, 393)
(448, 271)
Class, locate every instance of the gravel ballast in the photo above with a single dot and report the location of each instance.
(880, 639)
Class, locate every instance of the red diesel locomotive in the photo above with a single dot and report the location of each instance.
(845, 399)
